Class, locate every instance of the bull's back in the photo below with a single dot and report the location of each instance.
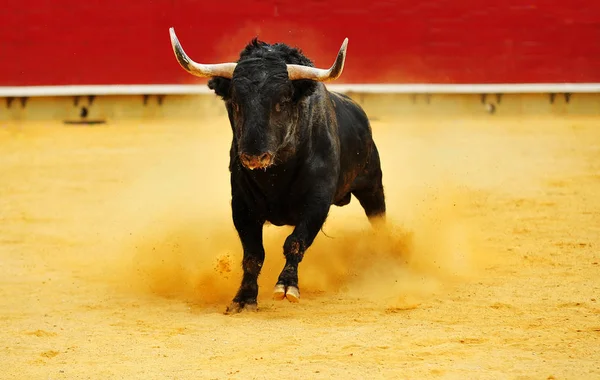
(356, 141)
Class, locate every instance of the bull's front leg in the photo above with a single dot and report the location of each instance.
(250, 231)
(296, 245)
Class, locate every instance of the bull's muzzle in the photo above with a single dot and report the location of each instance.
(261, 161)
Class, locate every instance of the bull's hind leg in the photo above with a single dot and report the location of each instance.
(368, 189)
(372, 200)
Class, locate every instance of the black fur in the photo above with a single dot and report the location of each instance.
(323, 152)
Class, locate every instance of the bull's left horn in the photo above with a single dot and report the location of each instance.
(224, 70)
(321, 75)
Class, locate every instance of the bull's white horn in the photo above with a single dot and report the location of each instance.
(224, 70)
(322, 75)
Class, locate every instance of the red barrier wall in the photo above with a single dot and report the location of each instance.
(48, 42)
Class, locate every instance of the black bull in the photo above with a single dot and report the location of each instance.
(297, 149)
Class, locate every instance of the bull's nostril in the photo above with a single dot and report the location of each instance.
(265, 158)
(245, 158)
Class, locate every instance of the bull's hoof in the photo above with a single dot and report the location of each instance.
(290, 292)
(279, 292)
(238, 307)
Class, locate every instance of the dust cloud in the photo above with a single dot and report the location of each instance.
(173, 235)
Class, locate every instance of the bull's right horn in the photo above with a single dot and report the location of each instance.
(224, 70)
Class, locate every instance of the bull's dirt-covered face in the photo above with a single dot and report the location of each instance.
(264, 94)
(264, 106)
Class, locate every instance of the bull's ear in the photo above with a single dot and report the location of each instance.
(221, 87)
(303, 88)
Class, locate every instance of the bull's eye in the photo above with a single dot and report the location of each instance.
(278, 107)
(236, 107)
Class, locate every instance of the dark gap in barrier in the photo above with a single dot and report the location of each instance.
(22, 99)
(159, 98)
(84, 113)
(567, 96)
(489, 106)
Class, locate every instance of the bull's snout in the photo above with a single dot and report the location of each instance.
(256, 162)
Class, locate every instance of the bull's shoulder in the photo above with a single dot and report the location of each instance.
(343, 99)
(348, 111)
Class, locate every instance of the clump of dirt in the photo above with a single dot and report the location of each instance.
(223, 265)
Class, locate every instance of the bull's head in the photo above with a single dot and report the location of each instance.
(263, 94)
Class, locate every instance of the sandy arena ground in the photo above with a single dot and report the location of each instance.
(118, 257)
